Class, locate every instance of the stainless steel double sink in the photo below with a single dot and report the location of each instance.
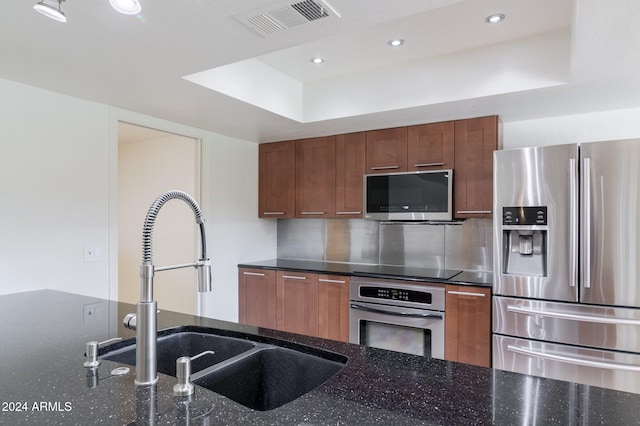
(256, 372)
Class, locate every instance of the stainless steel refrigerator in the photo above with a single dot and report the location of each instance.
(567, 263)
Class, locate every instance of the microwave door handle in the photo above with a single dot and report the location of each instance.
(398, 314)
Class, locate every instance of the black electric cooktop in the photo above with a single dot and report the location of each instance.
(405, 272)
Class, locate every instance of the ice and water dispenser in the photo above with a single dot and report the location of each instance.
(524, 241)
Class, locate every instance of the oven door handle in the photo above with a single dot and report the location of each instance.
(398, 314)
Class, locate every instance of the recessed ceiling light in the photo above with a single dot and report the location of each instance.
(495, 18)
(128, 7)
(395, 42)
(317, 60)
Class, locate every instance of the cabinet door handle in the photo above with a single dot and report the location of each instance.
(466, 293)
(255, 274)
(348, 212)
(384, 167)
(428, 165)
(294, 277)
(323, 280)
(313, 213)
(474, 212)
(273, 213)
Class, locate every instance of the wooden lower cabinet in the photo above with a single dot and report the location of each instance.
(468, 325)
(333, 307)
(318, 305)
(297, 302)
(257, 297)
(304, 303)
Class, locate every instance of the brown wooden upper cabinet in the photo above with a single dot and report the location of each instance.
(276, 182)
(475, 141)
(387, 150)
(322, 177)
(430, 146)
(316, 177)
(350, 167)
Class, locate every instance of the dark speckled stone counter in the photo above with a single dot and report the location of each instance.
(43, 381)
(475, 278)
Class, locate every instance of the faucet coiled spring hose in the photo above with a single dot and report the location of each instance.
(150, 220)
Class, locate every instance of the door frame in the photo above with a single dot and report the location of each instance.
(116, 116)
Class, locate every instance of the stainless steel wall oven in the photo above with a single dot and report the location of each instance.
(397, 315)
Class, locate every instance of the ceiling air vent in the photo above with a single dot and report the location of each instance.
(310, 10)
(281, 16)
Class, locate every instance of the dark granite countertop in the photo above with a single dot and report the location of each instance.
(43, 381)
(475, 278)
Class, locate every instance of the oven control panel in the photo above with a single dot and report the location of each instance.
(397, 293)
(387, 293)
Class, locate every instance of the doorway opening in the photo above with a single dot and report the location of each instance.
(151, 162)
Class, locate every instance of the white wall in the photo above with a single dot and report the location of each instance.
(230, 200)
(592, 127)
(58, 191)
(54, 181)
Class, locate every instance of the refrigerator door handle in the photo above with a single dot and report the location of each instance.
(574, 317)
(586, 242)
(573, 223)
(572, 360)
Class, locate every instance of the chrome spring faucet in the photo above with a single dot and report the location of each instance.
(145, 320)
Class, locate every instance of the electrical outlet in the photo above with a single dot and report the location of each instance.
(92, 312)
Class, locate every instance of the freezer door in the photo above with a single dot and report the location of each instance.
(599, 327)
(607, 369)
(537, 177)
(610, 227)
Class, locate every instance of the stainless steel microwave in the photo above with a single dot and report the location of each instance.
(424, 195)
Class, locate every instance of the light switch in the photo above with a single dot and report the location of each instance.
(91, 253)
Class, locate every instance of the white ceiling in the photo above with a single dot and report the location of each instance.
(549, 57)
